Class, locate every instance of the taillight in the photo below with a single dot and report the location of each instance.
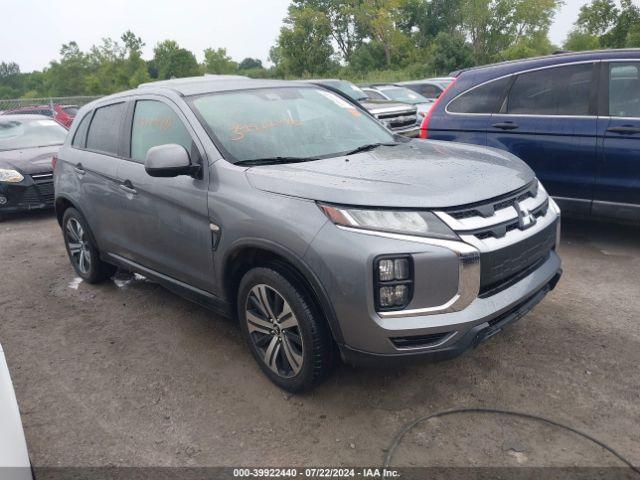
(424, 128)
(54, 160)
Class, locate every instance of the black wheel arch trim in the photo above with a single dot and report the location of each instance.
(300, 265)
(84, 217)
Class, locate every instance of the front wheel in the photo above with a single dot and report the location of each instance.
(82, 251)
(290, 341)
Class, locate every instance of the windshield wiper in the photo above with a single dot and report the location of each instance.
(274, 160)
(370, 146)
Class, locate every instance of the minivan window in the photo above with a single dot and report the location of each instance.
(286, 122)
(155, 123)
(624, 89)
(486, 98)
(80, 137)
(104, 131)
(552, 91)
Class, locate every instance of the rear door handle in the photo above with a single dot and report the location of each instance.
(624, 129)
(79, 170)
(505, 125)
(127, 187)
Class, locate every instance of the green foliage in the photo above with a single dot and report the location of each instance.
(612, 26)
(450, 51)
(218, 62)
(250, 64)
(172, 61)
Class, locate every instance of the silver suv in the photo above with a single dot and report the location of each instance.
(285, 205)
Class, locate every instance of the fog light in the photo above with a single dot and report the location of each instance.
(3, 200)
(393, 279)
(394, 296)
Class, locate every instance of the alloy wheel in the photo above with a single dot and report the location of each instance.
(274, 330)
(78, 245)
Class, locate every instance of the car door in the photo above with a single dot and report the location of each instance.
(548, 119)
(617, 191)
(166, 218)
(94, 159)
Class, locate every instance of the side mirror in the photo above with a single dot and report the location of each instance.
(169, 160)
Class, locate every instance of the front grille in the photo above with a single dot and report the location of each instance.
(487, 209)
(44, 177)
(499, 267)
(396, 121)
(419, 341)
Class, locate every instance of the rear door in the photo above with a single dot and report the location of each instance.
(617, 191)
(548, 119)
(166, 218)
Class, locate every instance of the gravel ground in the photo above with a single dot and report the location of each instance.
(126, 373)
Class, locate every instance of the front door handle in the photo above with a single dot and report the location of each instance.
(624, 129)
(79, 169)
(505, 125)
(127, 187)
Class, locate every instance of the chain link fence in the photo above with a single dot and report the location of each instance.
(44, 106)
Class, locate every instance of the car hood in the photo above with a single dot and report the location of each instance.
(29, 160)
(382, 106)
(416, 174)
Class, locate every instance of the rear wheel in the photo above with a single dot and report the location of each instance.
(82, 251)
(289, 340)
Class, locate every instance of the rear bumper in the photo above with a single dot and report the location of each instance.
(471, 338)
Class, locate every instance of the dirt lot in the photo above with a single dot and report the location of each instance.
(134, 375)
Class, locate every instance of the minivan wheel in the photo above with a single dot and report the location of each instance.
(289, 340)
(83, 253)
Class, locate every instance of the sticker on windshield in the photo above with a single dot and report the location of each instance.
(340, 102)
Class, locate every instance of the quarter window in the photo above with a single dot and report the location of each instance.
(104, 131)
(552, 91)
(155, 123)
(624, 90)
(80, 136)
(486, 98)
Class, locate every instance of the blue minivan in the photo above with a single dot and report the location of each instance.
(573, 117)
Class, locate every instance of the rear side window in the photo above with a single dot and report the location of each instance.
(155, 123)
(80, 137)
(429, 91)
(624, 90)
(486, 98)
(553, 91)
(104, 131)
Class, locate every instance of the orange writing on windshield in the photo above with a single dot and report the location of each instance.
(241, 130)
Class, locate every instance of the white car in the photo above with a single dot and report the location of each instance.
(14, 458)
(400, 94)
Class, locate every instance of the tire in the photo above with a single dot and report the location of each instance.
(296, 351)
(82, 250)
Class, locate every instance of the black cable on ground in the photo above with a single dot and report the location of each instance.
(411, 425)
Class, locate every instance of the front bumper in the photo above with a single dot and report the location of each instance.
(32, 193)
(472, 337)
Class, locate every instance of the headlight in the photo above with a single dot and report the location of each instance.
(10, 176)
(423, 224)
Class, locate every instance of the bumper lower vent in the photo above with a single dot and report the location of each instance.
(420, 341)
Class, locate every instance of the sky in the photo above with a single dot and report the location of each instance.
(246, 28)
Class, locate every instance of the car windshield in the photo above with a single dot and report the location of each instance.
(349, 89)
(405, 95)
(286, 123)
(73, 111)
(18, 133)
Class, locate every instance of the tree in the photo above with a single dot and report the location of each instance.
(304, 45)
(173, 61)
(451, 52)
(613, 26)
(68, 75)
(577, 41)
(597, 17)
(218, 62)
(250, 63)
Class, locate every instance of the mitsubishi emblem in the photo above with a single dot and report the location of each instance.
(525, 218)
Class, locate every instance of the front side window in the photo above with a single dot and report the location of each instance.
(552, 91)
(624, 89)
(155, 123)
(18, 134)
(486, 98)
(301, 122)
(104, 132)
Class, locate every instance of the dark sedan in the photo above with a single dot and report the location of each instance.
(27, 145)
